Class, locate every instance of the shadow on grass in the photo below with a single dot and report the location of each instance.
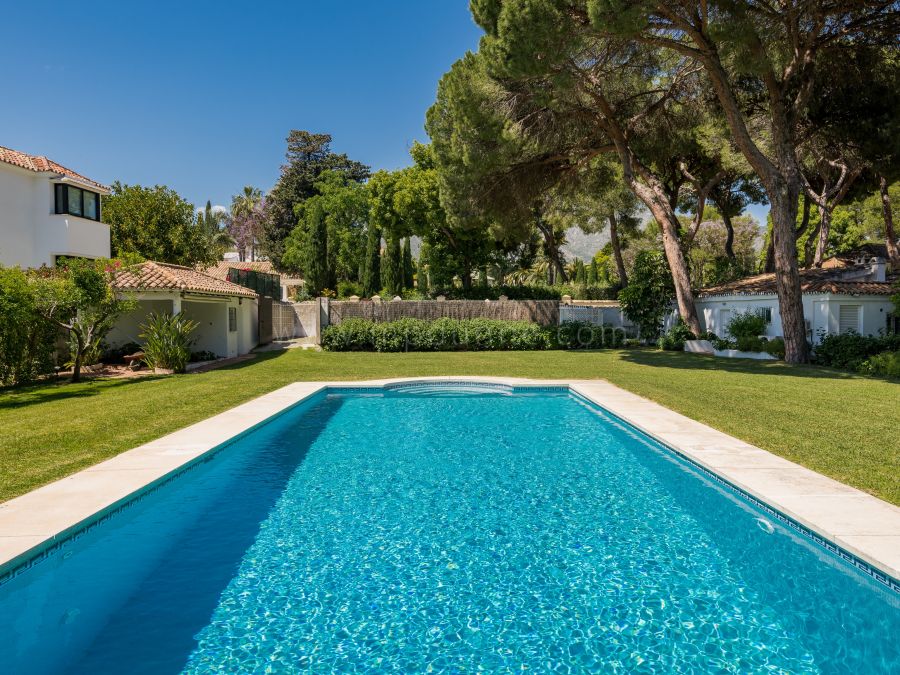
(62, 389)
(685, 361)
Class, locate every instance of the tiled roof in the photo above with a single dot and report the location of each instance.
(811, 281)
(40, 163)
(864, 253)
(154, 276)
(220, 270)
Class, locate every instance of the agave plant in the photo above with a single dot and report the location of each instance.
(167, 341)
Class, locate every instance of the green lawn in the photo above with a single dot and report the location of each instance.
(841, 425)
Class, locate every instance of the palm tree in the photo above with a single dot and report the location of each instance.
(245, 220)
(213, 225)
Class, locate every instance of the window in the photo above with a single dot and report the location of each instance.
(766, 313)
(232, 319)
(848, 319)
(893, 324)
(77, 202)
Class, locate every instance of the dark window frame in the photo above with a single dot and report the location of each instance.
(61, 201)
(232, 319)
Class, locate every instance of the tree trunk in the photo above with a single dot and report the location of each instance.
(888, 213)
(557, 271)
(656, 200)
(787, 275)
(824, 232)
(617, 249)
(729, 235)
(79, 357)
(769, 265)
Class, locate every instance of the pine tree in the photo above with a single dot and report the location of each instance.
(372, 273)
(408, 269)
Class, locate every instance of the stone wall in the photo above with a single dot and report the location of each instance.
(544, 312)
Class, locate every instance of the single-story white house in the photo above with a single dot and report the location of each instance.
(227, 313)
(231, 269)
(48, 211)
(850, 292)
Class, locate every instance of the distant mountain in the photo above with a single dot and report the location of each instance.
(584, 246)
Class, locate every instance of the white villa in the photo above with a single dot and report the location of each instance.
(48, 211)
(849, 292)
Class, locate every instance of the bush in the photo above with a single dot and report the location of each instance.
(118, 354)
(646, 299)
(203, 355)
(439, 335)
(775, 347)
(585, 335)
(751, 343)
(886, 364)
(673, 341)
(747, 324)
(26, 338)
(167, 341)
(347, 288)
(850, 350)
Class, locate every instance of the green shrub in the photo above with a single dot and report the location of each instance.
(751, 343)
(746, 325)
(528, 292)
(26, 338)
(347, 288)
(439, 335)
(585, 335)
(886, 364)
(850, 350)
(167, 341)
(775, 347)
(674, 340)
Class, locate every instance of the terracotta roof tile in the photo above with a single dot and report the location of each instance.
(811, 281)
(154, 276)
(39, 163)
(220, 270)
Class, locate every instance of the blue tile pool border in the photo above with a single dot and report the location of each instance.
(56, 544)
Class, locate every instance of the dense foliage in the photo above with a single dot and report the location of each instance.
(675, 337)
(417, 335)
(851, 350)
(647, 298)
(26, 336)
(158, 224)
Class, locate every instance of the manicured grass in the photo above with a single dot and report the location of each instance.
(839, 424)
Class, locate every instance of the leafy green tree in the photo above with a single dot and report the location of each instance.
(78, 297)
(26, 337)
(593, 273)
(214, 224)
(308, 156)
(156, 224)
(649, 294)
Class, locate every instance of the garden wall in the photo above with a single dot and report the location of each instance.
(292, 320)
(543, 312)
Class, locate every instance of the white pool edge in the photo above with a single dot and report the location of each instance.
(863, 525)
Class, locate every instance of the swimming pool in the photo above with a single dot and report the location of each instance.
(451, 528)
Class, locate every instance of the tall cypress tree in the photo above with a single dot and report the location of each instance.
(392, 269)
(593, 275)
(409, 270)
(317, 276)
(371, 279)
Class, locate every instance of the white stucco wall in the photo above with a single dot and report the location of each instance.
(211, 313)
(31, 234)
(821, 311)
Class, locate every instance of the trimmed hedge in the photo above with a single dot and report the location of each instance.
(851, 350)
(417, 335)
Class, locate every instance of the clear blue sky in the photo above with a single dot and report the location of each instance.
(200, 95)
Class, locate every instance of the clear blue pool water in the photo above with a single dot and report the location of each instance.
(444, 530)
